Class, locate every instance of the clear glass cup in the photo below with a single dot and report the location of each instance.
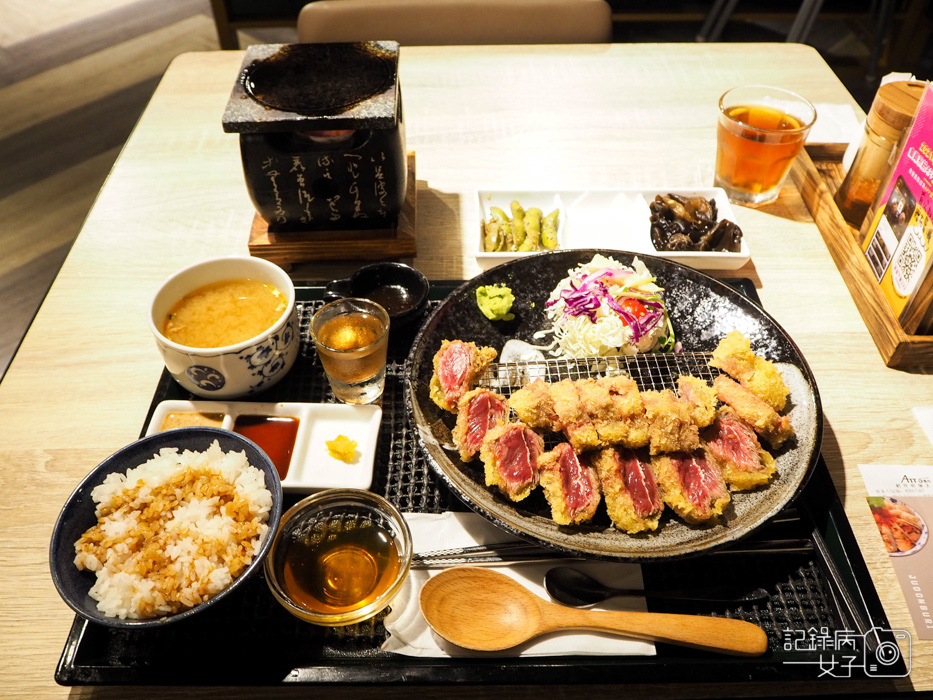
(351, 337)
(760, 133)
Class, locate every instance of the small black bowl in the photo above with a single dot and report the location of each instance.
(77, 516)
(399, 288)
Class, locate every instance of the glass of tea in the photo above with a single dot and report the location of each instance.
(761, 130)
(351, 337)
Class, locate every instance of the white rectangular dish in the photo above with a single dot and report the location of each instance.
(311, 467)
(609, 219)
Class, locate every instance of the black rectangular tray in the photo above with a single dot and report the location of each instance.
(249, 639)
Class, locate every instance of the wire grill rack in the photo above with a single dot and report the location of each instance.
(651, 372)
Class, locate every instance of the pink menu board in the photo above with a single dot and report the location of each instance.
(896, 241)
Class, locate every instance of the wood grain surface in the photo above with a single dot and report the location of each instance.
(604, 117)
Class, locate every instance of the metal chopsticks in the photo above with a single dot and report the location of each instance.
(522, 553)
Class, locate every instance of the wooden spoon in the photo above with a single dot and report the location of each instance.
(485, 610)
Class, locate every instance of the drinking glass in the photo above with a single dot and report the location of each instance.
(351, 337)
(761, 130)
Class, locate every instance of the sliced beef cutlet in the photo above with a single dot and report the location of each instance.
(630, 489)
(478, 411)
(734, 356)
(458, 365)
(510, 455)
(570, 486)
(774, 428)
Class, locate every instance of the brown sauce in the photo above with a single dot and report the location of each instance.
(393, 298)
(187, 419)
(344, 571)
(274, 434)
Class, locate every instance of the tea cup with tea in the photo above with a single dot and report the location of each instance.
(761, 131)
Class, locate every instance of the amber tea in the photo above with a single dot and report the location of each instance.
(344, 570)
(351, 337)
(760, 132)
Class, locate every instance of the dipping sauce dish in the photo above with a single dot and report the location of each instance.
(398, 288)
(339, 557)
(293, 435)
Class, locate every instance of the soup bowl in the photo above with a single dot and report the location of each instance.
(241, 368)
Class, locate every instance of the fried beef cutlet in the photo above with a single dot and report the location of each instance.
(631, 428)
(734, 356)
(701, 397)
(774, 428)
(691, 485)
(510, 455)
(534, 406)
(630, 489)
(458, 365)
(570, 486)
(477, 411)
(572, 416)
(732, 444)
(670, 423)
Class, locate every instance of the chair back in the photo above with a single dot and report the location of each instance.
(460, 22)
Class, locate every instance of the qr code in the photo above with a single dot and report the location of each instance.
(910, 256)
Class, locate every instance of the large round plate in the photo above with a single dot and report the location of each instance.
(702, 311)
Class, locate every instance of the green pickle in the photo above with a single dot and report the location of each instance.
(526, 231)
(518, 224)
(549, 230)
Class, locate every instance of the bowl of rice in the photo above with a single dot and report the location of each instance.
(166, 527)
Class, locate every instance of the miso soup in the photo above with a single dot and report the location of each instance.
(224, 313)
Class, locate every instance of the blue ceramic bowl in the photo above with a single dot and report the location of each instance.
(78, 515)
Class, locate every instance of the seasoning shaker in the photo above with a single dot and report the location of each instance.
(891, 112)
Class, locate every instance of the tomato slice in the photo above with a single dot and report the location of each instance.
(634, 307)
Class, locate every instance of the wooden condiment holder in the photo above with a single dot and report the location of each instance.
(817, 173)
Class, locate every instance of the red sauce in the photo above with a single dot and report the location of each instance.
(274, 434)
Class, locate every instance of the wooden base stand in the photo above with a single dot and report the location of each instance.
(817, 174)
(309, 246)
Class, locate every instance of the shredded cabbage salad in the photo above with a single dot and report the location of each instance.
(603, 308)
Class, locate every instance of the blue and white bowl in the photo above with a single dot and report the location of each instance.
(236, 370)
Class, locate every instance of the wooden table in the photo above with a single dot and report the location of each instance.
(504, 117)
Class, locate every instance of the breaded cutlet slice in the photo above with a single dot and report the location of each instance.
(572, 417)
(534, 406)
(773, 427)
(691, 485)
(631, 429)
(478, 411)
(670, 423)
(731, 443)
(701, 397)
(510, 455)
(458, 365)
(734, 356)
(630, 489)
(570, 485)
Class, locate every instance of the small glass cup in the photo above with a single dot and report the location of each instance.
(761, 131)
(351, 337)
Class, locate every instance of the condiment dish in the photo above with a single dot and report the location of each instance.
(78, 515)
(300, 454)
(339, 557)
(399, 288)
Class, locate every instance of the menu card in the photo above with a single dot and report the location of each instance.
(896, 236)
(901, 502)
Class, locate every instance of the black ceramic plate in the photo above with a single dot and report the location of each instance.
(78, 515)
(702, 311)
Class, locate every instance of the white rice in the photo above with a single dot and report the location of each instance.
(174, 532)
